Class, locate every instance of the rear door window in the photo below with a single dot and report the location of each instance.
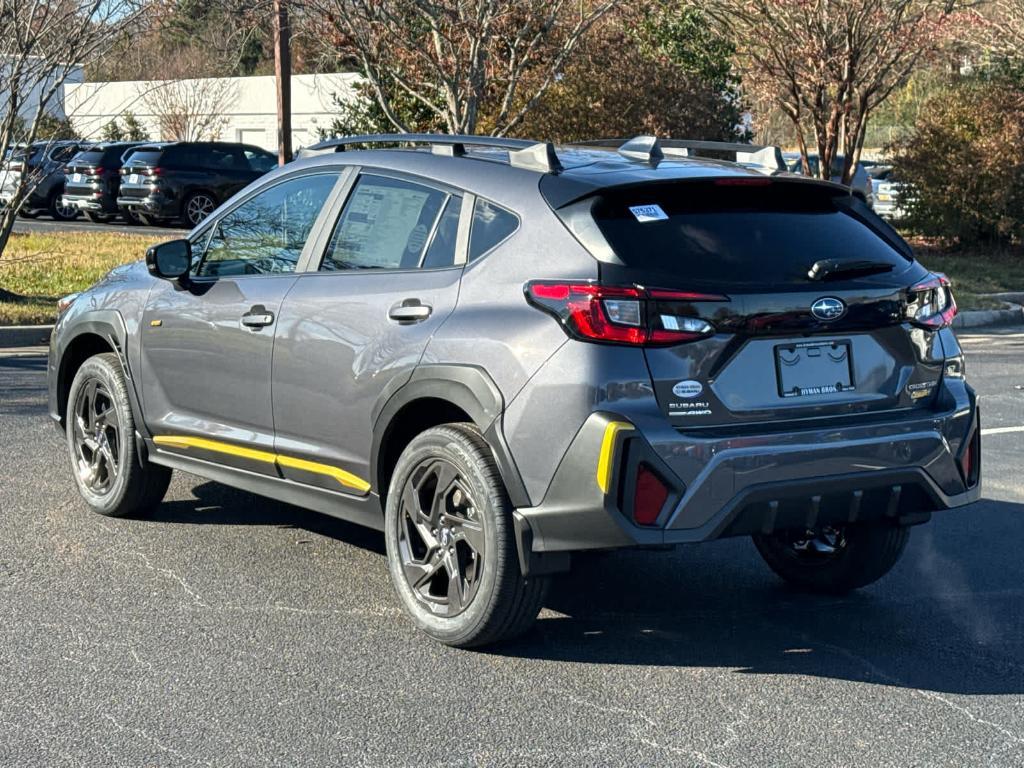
(387, 224)
(728, 235)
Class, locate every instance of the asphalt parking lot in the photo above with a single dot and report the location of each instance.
(235, 631)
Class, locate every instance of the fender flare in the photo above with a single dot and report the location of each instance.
(109, 325)
(472, 390)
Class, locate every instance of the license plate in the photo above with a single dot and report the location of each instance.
(76, 178)
(884, 197)
(133, 178)
(810, 368)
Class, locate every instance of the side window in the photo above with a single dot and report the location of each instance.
(386, 224)
(260, 161)
(491, 225)
(266, 233)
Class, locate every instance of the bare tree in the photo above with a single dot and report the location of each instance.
(190, 109)
(828, 64)
(41, 46)
(1001, 23)
(468, 64)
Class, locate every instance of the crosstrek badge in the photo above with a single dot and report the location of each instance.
(645, 213)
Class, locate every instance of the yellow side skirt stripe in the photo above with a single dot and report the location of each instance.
(604, 459)
(346, 479)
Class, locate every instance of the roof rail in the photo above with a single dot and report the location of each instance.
(522, 153)
(653, 149)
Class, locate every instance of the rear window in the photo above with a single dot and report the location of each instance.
(91, 157)
(765, 236)
(150, 157)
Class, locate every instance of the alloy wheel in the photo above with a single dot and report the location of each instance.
(441, 538)
(65, 211)
(198, 208)
(97, 437)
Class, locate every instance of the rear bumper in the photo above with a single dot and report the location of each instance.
(104, 204)
(154, 205)
(898, 471)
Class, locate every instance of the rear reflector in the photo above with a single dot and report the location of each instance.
(649, 496)
(970, 464)
(622, 314)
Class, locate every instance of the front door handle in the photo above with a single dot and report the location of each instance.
(257, 317)
(410, 311)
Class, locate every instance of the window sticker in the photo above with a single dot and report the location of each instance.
(645, 213)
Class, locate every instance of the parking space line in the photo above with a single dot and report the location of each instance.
(1000, 430)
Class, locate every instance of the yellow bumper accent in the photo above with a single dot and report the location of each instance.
(605, 462)
(346, 479)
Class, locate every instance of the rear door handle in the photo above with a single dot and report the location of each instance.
(410, 311)
(257, 317)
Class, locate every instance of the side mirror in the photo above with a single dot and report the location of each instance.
(169, 260)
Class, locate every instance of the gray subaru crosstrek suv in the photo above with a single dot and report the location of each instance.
(501, 352)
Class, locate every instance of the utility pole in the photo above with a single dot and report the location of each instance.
(283, 76)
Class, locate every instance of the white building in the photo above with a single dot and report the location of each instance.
(229, 109)
(35, 84)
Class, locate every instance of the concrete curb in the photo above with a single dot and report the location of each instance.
(24, 335)
(980, 318)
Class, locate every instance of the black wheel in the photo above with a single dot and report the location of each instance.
(101, 442)
(834, 560)
(99, 218)
(59, 211)
(197, 207)
(450, 543)
(130, 217)
(28, 214)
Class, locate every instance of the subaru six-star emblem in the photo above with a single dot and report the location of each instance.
(828, 308)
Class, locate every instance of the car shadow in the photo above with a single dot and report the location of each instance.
(217, 504)
(949, 618)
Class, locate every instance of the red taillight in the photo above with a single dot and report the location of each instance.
(620, 314)
(156, 171)
(649, 496)
(931, 303)
(98, 171)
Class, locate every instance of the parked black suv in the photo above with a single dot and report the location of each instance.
(187, 180)
(41, 165)
(93, 180)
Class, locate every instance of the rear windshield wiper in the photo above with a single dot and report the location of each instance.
(831, 269)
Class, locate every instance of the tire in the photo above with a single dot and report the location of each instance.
(861, 555)
(497, 603)
(28, 214)
(131, 219)
(102, 446)
(57, 210)
(197, 207)
(98, 218)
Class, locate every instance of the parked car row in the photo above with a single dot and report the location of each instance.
(157, 183)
